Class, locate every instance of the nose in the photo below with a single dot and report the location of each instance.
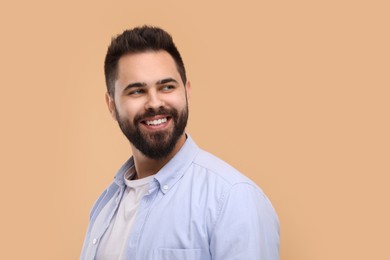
(153, 101)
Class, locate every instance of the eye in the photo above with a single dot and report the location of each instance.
(136, 92)
(167, 88)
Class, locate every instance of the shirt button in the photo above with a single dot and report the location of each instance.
(117, 200)
(94, 241)
(165, 187)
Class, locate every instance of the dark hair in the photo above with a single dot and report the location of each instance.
(137, 40)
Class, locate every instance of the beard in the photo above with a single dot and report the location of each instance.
(159, 144)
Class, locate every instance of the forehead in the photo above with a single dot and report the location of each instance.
(146, 67)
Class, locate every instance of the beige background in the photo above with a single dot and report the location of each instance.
(295, 94)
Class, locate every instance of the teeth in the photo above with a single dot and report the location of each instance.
(157, 121)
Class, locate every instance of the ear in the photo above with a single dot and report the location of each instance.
(111, 105)
(188, 90)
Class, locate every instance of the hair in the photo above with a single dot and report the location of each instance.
(138, 40)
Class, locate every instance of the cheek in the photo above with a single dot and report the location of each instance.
(178, 101)
(126, 112)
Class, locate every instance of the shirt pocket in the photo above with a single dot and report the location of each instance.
(176, 254)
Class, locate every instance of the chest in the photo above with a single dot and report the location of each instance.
(174, 225)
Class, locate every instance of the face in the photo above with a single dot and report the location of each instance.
(150, 102)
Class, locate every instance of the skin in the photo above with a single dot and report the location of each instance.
(148, 80)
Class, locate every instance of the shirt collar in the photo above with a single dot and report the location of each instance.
(119, 178)
(168, 175)
(171, 172)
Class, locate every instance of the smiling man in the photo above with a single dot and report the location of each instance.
(171, 200)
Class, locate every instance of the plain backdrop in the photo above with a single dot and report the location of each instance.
(294, 94)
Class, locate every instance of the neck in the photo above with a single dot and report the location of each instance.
(146, 166)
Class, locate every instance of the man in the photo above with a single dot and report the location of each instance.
(170, 200)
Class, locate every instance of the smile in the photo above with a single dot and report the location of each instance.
(157, 121)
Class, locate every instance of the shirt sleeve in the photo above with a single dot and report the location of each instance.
(247, 226)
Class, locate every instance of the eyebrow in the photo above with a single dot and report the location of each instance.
(134, 85)
(143, 84)
(167, 80)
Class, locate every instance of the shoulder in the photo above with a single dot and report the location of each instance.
(220, 175)
(217, 168)
(239, 196)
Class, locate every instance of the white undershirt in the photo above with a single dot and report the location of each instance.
(114, 241)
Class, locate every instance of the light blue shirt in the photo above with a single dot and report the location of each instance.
(197, 208)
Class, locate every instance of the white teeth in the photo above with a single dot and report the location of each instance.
(157, 121)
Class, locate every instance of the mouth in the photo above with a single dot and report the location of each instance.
(156, 122)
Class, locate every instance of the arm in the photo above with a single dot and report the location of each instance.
(247, 226)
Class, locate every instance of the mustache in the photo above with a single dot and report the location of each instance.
(155, 112)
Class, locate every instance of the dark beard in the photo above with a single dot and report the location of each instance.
(159, 144)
